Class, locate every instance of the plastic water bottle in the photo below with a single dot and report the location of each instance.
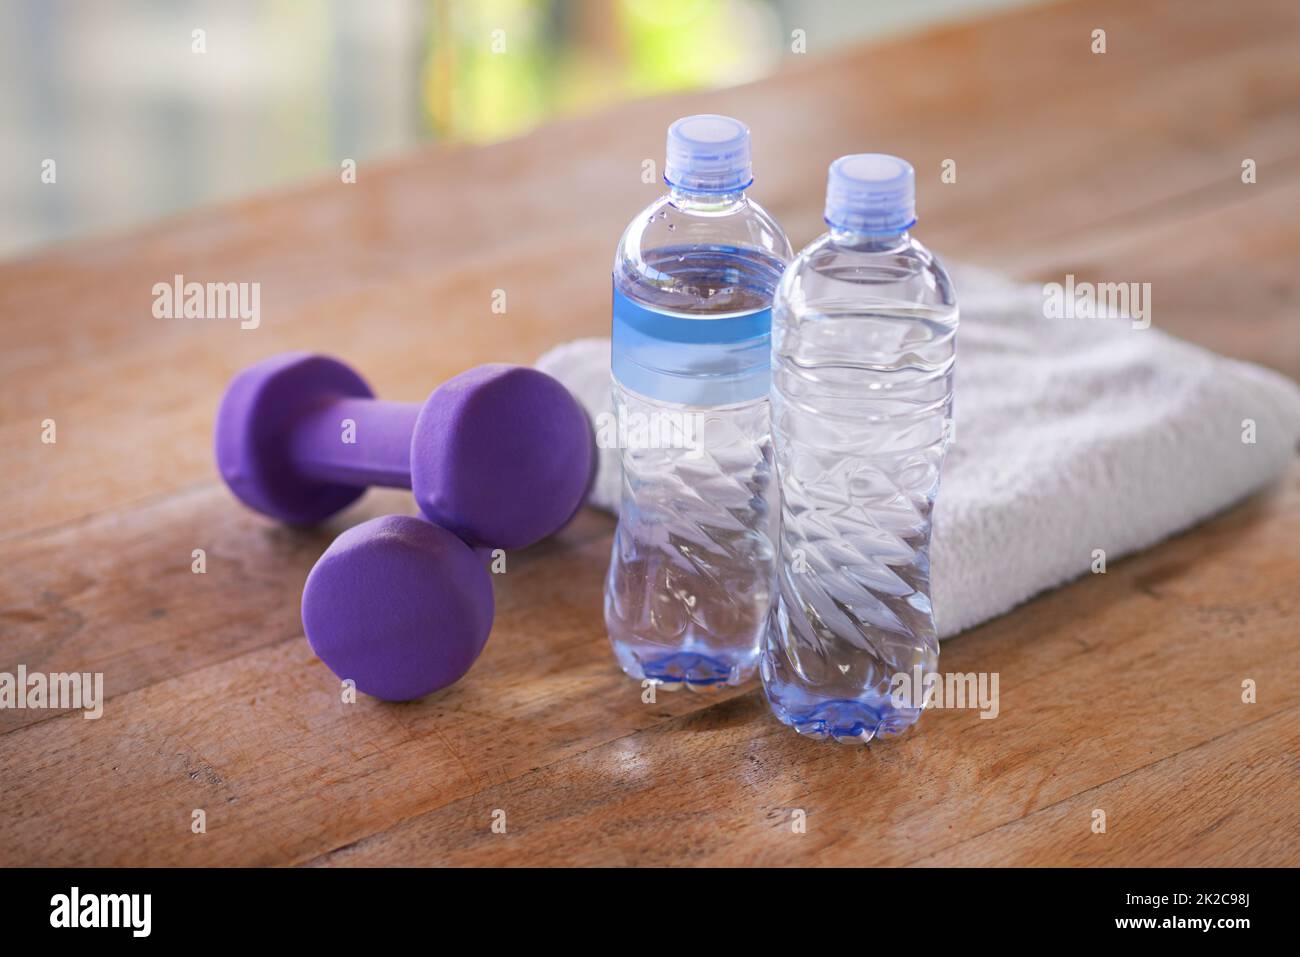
(693, 568)
(863, 345)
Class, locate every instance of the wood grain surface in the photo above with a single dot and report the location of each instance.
(1121, 692)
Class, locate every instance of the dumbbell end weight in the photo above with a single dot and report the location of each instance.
(502, 455)
(399, 606)
(258, 414)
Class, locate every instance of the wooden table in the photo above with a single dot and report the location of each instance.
(1121, 692)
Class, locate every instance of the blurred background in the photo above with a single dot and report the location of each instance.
(274, 92)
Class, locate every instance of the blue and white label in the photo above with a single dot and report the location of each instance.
(691, 360)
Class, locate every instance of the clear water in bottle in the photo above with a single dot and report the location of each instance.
(693, 566)
(863, 346)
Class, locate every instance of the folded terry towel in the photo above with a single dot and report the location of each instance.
(1071, 435)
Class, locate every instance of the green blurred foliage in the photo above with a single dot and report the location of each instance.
(497, 67)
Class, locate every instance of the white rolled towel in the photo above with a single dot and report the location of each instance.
(1072, 436)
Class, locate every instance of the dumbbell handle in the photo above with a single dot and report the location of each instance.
(380, 453)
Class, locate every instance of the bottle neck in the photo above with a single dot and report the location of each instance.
(870, 242)
(705, 202)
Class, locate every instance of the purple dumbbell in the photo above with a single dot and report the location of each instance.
(500, 455)
(398, 605)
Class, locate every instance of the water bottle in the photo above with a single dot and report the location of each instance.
(693, 566)
(863, 345)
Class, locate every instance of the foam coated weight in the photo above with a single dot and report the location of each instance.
(258, 412)
(502, 455)
(398, 605)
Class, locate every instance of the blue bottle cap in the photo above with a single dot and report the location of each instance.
(871, 193)
(708, 154)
